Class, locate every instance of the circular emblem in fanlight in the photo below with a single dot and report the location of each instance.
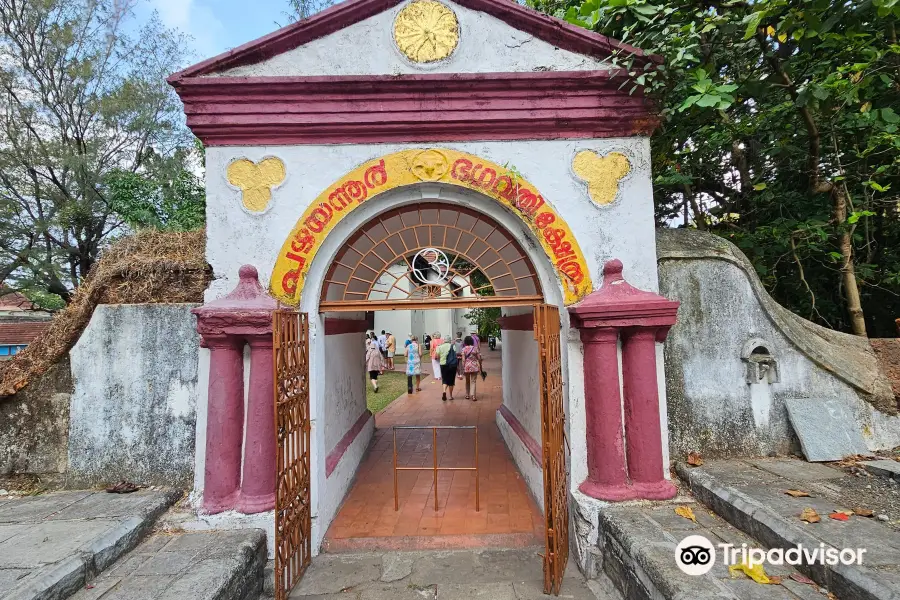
(437, 270)
(426, 31)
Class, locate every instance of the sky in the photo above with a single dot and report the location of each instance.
(217, 25)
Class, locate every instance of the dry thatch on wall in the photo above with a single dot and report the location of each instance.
(148, 267)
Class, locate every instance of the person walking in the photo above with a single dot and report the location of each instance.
(471, 365)
(449, 362)
(426, 342)
(382, 347)
(458, 346)
(391, 344)
(413, 365)
(435, 362)
(373, 360)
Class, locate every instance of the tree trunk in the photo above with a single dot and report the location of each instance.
(848, 270)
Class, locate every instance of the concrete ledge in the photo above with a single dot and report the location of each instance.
(136, 517)
(639, 558)
(761, 522)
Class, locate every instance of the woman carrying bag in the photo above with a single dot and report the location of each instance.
(471, 361)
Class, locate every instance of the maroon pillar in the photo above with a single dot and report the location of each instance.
(244, 315)
(258, 486)
(606, 479)
(224, 423)
(641, 394)
(620, 309)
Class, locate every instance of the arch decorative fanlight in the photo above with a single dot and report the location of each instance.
(430, 254)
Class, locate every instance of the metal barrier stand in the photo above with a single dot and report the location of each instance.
(435, 467)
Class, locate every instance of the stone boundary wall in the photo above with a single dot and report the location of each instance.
(735, 355)
(133, 409)
(34, 426)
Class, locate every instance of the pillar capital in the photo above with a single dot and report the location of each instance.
(599, 335)
(246, 311)
(619, 304)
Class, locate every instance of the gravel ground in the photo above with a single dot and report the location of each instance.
(865, 490)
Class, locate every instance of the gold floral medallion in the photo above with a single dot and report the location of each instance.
(426, 31)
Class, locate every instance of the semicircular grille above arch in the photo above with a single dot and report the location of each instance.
(430, 254)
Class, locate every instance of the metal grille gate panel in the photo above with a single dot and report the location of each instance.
(553, 439)
(290, 336)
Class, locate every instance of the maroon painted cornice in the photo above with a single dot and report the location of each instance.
(551, 30)
(523, 322)
(413, 108)
(342, 326)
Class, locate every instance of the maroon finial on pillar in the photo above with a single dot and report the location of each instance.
(618, 310)
(242, 317)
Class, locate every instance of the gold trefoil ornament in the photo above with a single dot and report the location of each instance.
(426, 31)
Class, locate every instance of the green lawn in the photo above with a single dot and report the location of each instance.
(391, 386)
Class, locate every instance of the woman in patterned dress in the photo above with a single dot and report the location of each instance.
(413, 365)
(471, 365)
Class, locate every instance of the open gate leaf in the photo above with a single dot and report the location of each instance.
(810, 516)
(686, 512)
(797, 493)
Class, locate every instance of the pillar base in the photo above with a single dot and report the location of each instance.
(611, 493)
(250, 505)
(220, 505)
(658, 490)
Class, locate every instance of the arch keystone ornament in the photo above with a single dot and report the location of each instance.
(410, 167)
(256, 180)
(601, 173)
(426, 31)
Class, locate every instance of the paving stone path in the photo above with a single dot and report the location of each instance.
(489, 574)
(51, 544)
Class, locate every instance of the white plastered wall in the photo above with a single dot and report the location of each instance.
(487, 45)
(623, 229)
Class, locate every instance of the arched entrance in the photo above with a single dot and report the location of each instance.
(430, 255)
(419, 255)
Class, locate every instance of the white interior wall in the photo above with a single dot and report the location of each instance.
(344, 402)
(521, 395)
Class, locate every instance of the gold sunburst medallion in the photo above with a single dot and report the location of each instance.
(426, 31)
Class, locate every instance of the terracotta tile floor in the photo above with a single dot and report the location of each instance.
(508, 515)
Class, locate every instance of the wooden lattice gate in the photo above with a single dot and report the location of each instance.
(293, 552)
(553, 439)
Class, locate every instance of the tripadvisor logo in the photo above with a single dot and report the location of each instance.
(695, 555)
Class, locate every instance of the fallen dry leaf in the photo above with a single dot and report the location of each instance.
(849, 513)
(802, 579)
(686, 512)
(810, 516)
(775, 579)
(756, 572)
(863, 512)
(839, 516)
(797, 493)
(694, 459)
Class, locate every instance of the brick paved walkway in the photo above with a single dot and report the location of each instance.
(508, 517)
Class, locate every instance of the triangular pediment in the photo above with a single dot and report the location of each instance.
(358, 37)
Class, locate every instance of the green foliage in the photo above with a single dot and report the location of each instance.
(92, 140)
(780, 133)
(486, 320)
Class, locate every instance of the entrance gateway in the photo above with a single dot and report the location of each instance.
(424, 255)
(414, 154)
